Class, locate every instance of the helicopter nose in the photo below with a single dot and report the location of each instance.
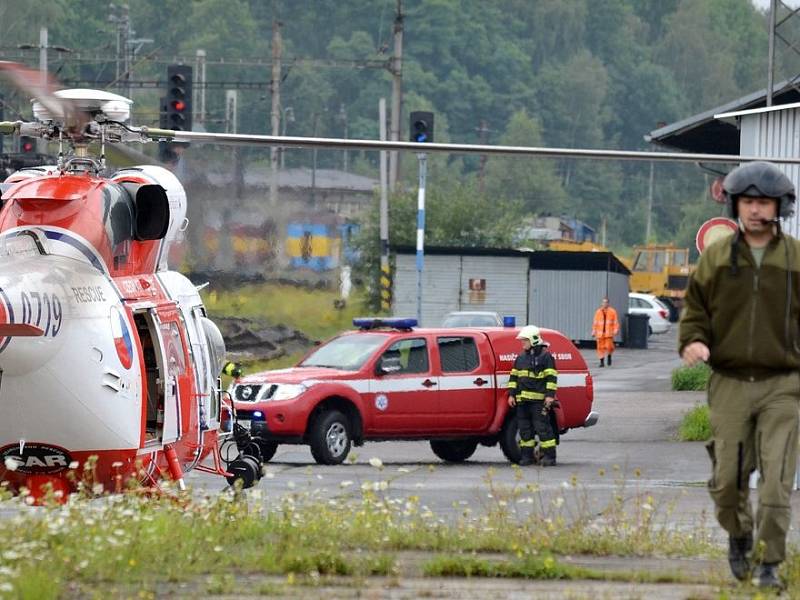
(33, 313)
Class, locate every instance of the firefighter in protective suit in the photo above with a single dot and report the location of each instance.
(741, 315)
(532, 388)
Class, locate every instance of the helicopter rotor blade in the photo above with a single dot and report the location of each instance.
(238, 139)
(42, 87)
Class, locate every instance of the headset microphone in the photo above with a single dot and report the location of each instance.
(774, 221)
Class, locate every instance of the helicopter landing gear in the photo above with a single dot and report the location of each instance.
(247, 465)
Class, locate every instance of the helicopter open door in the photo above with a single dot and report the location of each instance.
(161, 368)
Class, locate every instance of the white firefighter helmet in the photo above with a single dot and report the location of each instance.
(532, 334)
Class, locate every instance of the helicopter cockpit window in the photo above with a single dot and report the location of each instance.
(118, 219)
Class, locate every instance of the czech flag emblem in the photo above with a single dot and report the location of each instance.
(122, 337)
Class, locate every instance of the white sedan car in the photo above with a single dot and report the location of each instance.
(647, 304)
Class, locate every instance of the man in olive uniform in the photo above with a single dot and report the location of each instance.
(532, 389)
(741, 316)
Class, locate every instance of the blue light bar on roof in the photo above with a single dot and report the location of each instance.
(378, 322)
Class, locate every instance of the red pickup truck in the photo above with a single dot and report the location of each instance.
(391, 381)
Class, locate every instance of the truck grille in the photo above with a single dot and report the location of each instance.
(677, 282)
(250, 392)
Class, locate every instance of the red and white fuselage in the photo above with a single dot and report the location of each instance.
(103, 351)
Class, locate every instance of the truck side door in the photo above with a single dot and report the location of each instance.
(467, 388)
(405, 399)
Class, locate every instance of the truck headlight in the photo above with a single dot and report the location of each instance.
(288, 391)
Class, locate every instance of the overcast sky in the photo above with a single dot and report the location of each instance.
(764, 4)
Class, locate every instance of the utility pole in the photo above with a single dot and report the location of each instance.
(397, 81)
(773, 9)
(385, 275)
(343, 117)
(649, 206)
(41, 145)
(200, 89)
(275, 84)
(423, 169)
(483, 132)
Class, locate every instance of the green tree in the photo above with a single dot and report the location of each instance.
(532, 182)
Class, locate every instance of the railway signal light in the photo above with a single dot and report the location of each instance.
(178, 103)
(421, 126)
(27, 145)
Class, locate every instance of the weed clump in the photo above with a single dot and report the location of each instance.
(691, 378)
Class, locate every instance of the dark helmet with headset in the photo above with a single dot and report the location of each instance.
(759, 179)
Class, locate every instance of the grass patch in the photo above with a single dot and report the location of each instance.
(695, 425)
(531, 567)
(132, 541)
(691, 378)
(307, 310)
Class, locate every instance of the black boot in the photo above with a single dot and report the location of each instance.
(609, 360)
(526, 456)
(548, 458)
(738, 559)
(602, 362)
(766, 576)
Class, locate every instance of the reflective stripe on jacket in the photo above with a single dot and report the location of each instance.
(533, 377)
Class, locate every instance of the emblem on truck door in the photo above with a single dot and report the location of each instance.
(381, 402)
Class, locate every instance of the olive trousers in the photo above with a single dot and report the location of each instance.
(754, 426)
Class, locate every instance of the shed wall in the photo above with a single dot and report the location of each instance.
(567, 300)
(775, 133)
(445, 286)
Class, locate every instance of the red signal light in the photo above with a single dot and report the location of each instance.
(179, 105)
(27, 147)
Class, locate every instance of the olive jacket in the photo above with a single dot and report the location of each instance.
(748, 316)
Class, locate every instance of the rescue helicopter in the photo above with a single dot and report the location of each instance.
(108, 360)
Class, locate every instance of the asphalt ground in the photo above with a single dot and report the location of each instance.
(633, 450)
(633, 447)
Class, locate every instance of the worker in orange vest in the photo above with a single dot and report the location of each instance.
(604, 328)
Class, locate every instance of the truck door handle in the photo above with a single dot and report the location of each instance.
(428, 383)
(479, 381)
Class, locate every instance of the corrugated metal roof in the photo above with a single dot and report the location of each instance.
(756, 111)
(705, 132)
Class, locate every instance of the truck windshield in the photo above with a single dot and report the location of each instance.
(348, 352)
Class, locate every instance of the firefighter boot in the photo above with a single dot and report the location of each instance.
(548, 458)
(526, 456)
(738, 559)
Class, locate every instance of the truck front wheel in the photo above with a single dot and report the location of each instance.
(330, 438)
(454, 450)
(509, 440)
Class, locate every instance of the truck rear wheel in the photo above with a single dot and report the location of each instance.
(454, 450)
(330, 438)
(509, 440)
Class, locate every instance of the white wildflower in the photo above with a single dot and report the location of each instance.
(346, 483)
(11, 464)
(376, 462)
